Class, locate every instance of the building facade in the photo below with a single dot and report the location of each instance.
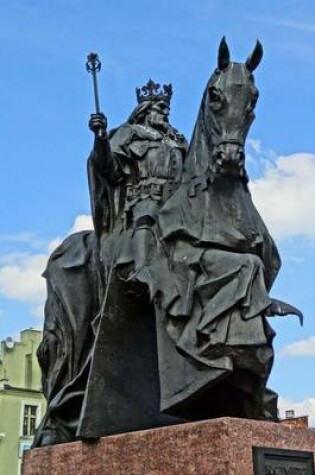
(22, 403)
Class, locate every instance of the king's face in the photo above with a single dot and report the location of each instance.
(157, 115)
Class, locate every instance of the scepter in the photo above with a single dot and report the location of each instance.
(93, 66)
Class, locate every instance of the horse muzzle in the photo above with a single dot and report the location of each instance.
(229, 159)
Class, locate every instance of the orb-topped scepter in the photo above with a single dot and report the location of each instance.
(93, 66)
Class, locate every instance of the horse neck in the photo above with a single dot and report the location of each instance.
(201, 146)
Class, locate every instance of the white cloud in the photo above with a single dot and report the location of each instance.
(300, 348)
(83, 222)
(285, 195)
(255, 144)
(302, 408)
(20, 273)
(53, 244)
(11, 258)
(22, 280)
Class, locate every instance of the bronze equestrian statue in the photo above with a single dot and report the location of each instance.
(160, 315)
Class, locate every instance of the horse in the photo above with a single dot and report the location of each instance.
(223, 262)
(187, 336)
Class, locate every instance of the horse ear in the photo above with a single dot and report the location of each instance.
(224, 55)
(254, 59)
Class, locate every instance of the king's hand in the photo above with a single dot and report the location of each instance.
(98, 125)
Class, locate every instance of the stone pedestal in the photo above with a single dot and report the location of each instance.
(213, 447)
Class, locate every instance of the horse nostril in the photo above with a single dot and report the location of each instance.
(220, 156)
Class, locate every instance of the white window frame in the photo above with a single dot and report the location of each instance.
(29, 402)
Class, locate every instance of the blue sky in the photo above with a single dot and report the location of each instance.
(46, 98)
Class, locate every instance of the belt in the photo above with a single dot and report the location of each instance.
(159, 189)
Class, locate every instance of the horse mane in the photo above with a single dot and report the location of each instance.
(200, 148)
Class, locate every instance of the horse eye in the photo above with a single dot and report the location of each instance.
(215, 97)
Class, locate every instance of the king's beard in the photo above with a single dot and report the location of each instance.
(158, 122)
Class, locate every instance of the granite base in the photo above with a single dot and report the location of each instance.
(213, 447)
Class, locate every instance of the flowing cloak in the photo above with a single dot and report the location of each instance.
(219, 265)
(64, 353)
(219, 214)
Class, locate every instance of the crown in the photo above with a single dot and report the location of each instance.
(152, 91)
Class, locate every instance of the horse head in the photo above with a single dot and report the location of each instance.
(225, 116)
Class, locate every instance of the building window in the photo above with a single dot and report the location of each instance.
(29, 420)
(28, 371)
